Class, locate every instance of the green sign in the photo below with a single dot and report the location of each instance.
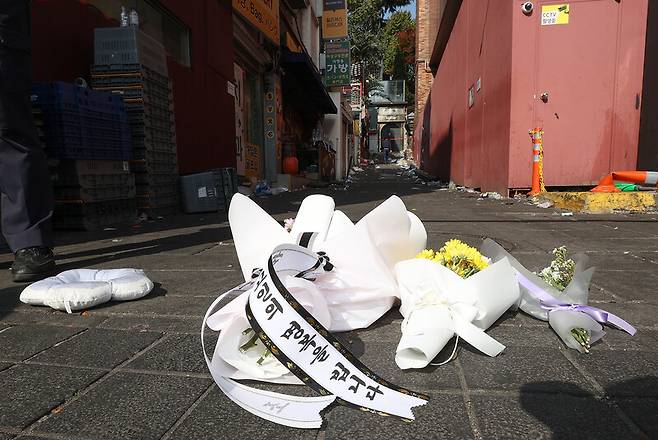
(337, 72)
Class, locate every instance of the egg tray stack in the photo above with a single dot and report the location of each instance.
(92, 194)
(148, 98)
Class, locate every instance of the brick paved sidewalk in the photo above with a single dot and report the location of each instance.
(135, 371)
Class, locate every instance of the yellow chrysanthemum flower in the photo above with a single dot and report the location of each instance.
(427, 254)
(457, 256)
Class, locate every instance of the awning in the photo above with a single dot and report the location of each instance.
(301, 74)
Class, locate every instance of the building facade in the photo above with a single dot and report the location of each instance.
(497, 74)
(197, 38)
(247, 85)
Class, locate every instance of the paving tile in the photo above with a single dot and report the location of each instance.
(380, 358)
(218, 417)
(98, 348)
(173, 262)
(644, 412)
(158, 304)
(23, 341)
(630, 285)
(49, 317)
(532, 415)
(127, 406)
(152, 323)
(643, 340)
(631, 373)
(528, 337)
(623, 260)
(586, 243)
(181, 353)
(636, 313)
(31, 391)
(375, 347)
(517, 368)
(517, 318)
(444, 417)
(196, 283)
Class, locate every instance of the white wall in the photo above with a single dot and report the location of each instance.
(310, 29)
(333, 128)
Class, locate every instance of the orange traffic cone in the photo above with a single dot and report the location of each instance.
(537, 162)
(607, 183)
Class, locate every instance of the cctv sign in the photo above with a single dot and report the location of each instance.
(554, 14)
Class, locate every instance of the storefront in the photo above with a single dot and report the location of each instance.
(305, 102)
(197, 39)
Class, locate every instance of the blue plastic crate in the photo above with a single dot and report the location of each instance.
(79, 123)
(65, 95)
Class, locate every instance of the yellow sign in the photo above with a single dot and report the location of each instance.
(252, 160)
(334, 24)
(263, 14)
(554, 14)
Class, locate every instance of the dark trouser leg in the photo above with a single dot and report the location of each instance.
(27, 199)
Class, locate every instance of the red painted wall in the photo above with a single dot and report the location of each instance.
(487, 146)
(614, 64)
(469, 145)
(205, 126)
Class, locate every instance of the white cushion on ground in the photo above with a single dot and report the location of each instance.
(59, 295)
(80, 289)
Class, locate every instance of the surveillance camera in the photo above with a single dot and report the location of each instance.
(527, 8)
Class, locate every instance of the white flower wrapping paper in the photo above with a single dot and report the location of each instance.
(358, 291)
(577, 292)
(438, 304)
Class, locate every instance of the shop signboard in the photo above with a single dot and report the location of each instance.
(334, 19)
(239, 118)
(337, 72)
(355, 97)
(263, 14)
(270, 141)
(252, 163)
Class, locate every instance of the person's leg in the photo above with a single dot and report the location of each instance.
(27, 200)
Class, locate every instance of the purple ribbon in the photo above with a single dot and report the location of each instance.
(548, 302)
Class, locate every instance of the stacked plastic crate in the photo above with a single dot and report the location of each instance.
(87, 139)
(210, 191)
(133, 65)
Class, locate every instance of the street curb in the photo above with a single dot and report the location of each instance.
(598, 203)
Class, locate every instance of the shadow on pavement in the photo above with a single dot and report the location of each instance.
(143, 248)
(584, 415)
(9, 298)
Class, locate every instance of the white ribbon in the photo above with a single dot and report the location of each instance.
(437, 304)
(319, 366)
(293, 411)
(462, 311)
(434, 317)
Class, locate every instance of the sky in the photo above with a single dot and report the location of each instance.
(411, 7)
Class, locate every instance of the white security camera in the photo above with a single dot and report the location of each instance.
(527, 8)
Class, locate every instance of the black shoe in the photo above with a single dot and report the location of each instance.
(33, 264)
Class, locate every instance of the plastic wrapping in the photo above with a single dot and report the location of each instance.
(565, 310)
(358, 291)
(438, 304)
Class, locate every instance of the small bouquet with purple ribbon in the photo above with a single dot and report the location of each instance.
(551, 296)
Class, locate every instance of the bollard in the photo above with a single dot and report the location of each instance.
(537, 162)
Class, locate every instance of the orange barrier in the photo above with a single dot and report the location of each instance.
(607, 183)
(537, 162)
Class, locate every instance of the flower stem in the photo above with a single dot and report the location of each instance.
(250, 343)
(582, 337)
(265, 354)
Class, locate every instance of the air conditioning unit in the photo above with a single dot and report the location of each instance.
(319, 6)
